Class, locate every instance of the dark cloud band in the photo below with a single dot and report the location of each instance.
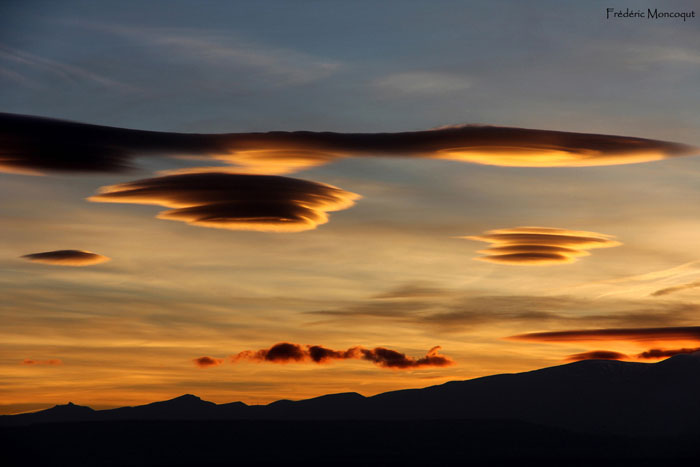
(664, 353)
(629, 334)
(35, 144)
(597, 355)
(286, 352)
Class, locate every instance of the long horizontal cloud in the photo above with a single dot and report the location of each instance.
(539, 245)
(629, 334)
(596, 355)
(235, 201)
(663, 353)
(456, 311)
(636, 335)
(286, 352)
(67, 258)
(35, 145)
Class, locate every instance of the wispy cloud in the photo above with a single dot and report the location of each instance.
(227, 53)
(420, 83)
(667, 54)
(25, 62)
(458, 311)
(675, 288)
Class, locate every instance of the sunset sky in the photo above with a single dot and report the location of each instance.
(135, 267)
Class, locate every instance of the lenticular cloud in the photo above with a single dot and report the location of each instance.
(264, 203)
(37, 145)
(67, 258)
(534, 246)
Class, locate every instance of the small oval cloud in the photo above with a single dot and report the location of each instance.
(67, 258)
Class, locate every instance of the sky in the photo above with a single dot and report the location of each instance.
(531, 198)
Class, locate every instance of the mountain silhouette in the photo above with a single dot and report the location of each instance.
(590, 396)
(185, 407)
(59, 413)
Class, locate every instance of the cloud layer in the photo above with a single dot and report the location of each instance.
(627, 334)
(286, 352)
(539, 245)
(663, 353)
(235, 201)
(636, 335)
(436, 309)
(36, 145)
(67, 258)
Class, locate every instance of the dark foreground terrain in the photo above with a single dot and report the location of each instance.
(358, 443)
(589, 413)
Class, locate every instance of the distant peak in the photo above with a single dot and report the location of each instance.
(70, 406)
(188, 400)
(187, 397)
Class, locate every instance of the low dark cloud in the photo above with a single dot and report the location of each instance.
(35, 144)
(597, 355)
(53, 361)
(67, 258)
(663, 353)
(391, 359)
(205, 362)
(627, 334)
(235, 201)
(286, 352)
(677, 288)
(539, 245)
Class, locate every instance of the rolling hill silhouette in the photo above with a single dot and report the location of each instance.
(593, 412)
(590, 396)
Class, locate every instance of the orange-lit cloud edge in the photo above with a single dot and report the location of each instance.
(34, 144)
(539, 246)
(76, 258)
(264, 203)
(286, 352)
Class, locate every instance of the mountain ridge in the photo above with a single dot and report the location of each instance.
(590, 396)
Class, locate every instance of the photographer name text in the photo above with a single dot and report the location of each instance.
(648, 14)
